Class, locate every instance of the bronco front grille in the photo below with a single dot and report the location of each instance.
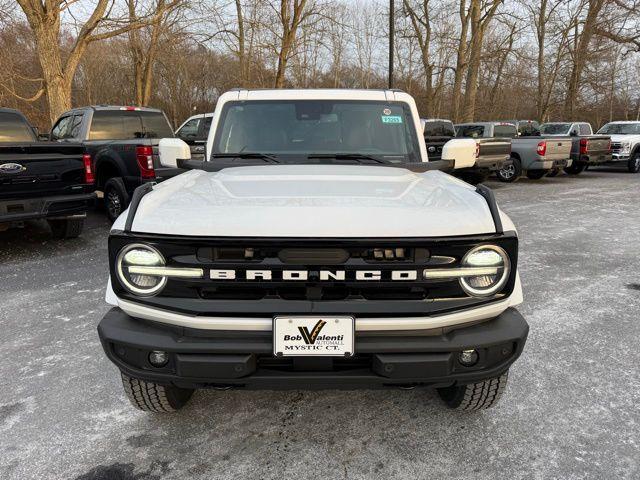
(332, 282)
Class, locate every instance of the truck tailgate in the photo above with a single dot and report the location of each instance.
(30, 170)
(491, 150)
(598, 145)
(557, 148)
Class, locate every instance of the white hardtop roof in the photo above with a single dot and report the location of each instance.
(316, 94)
(626, 121)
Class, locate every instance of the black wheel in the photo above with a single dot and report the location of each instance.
(510, 173)
(576, 168)
(475, 396)
(634, 163)
(536, 174)
(116, 198)
(553, 172)
(66, 227)
(151, 397)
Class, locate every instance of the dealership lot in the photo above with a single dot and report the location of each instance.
(570, 410)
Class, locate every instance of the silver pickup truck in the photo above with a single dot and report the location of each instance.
(493, 149)
(533, 155)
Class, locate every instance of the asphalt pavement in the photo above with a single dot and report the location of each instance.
(571, 409)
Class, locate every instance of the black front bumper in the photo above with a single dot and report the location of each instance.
(205, 359)
(20, 209)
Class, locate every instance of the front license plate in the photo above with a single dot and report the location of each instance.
(313, 336)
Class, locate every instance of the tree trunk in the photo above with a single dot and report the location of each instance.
(290, 22)
(241, 45)
(579, 57)
(541, 34)
(57, 82)
(461, 61)
(471, 87)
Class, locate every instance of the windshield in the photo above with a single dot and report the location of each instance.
(621, 128)
(438, 128)
(291, 130)
(555, 128)
(14, 129)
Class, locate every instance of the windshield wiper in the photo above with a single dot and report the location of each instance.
(247, 156)
(358, 157)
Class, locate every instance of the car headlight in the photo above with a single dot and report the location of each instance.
(134, 259)
(626, 147)
(490, 265)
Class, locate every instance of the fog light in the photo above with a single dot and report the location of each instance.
(158, 358)
(468, 358)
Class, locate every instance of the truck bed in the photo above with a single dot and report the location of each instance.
(542, 152)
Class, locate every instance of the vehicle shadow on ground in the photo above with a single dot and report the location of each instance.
(33, 240)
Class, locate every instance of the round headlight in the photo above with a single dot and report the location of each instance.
(495, 262)
(139, 255)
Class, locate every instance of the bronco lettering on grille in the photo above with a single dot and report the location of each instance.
(320, 275)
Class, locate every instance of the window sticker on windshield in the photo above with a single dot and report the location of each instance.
(392, 119)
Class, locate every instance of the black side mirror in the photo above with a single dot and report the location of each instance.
(573, 133)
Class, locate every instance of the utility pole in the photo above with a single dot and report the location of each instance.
(391, 35)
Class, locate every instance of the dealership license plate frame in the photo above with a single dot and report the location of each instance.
(338, 325)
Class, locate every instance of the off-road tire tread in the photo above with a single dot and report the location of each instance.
(148, 396)
(480, 395)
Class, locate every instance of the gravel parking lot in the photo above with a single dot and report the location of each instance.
(570, 411)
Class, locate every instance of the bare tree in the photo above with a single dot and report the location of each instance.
(419, 15)
(144, 50)
(480, 20)
(58, 66)
(291, 14)
(461, 59)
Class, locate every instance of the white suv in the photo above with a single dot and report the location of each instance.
(316, 247)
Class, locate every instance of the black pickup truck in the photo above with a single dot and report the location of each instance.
(436, 133)
(42, 179)
(122, 143)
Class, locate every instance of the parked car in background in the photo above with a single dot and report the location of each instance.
(625, 143)
(122, 145)
(533, 155)
(437, 132)
(493, 148)
(586, 149)
(42, 179)
(194, 132)
(525, 127)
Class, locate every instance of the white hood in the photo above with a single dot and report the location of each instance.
(313, 201)
(625, 138)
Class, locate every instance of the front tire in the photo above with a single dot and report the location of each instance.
(152, 397)
(510, 173)
(633, 165)
(475, 396)
(66, 228)
(116, 198)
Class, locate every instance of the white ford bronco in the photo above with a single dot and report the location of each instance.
(314, 247)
